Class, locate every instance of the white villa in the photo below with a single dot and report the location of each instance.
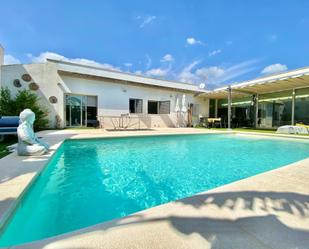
(78, 95)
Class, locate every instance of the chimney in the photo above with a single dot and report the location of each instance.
(1, 55)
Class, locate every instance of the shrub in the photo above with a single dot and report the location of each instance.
(6, 102)
(23, 99)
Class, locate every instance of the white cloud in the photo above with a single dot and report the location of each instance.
(239, 69)
(274, 68)
(214, 76)
(138, 72)
(42, 57)
(186, 74)
(157, 72)
(50, 55)
(146, 20)
(149, 61)
(210, 74)
(167, 58)
(214, 52)
(10, 59)
(193, 41)
(128, 64)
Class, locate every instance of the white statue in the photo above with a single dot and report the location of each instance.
(28, 143)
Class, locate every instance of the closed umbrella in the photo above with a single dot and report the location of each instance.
(184, 106)
(183, 111)
(177, 107)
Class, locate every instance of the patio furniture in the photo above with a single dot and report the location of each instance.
(214, 122)
(8, 125)
(93, 123)
(292, 129)
(203, 122)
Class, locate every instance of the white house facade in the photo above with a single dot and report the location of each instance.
(77, 95)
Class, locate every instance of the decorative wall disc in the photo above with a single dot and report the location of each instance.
(26, 77)
(33, 86)
(53, 99)
(17, 83)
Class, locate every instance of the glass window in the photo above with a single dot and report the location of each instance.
(136, 105)
(159, 107)
(164, 107)
(67, 111)
(76, 110)
(273, 114)
(152, 107)
(282, 112)
(302, 110)
(81, 110)
(212, 107)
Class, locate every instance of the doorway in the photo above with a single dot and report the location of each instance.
(80, 110)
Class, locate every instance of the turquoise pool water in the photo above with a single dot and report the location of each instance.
(92, 181)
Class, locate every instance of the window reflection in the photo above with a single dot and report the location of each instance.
(80, 110)
(302, 110)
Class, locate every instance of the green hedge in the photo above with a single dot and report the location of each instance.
(10, 106)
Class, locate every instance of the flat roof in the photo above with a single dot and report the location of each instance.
(294, 79)
(87, 70)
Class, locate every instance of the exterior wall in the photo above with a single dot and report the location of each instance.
(113, 98)
(45, 75)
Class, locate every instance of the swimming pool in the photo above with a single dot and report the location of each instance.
(92, 181)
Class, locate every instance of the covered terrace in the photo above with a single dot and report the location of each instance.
(266, 102)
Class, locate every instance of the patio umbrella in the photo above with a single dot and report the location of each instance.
(183, 111)
(184, 106)
(177, 107)
(177, 110)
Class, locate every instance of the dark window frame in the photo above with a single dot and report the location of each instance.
(135, 105)
(158, 109)
(152, 102)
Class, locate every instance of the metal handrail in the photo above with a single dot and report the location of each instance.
(123, 121)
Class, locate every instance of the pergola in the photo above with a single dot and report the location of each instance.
(291, 80)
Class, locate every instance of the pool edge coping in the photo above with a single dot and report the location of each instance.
(4, 216)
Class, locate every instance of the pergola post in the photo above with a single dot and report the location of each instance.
(256, 110)
(293, 108)
(216, 108)
(229, 107)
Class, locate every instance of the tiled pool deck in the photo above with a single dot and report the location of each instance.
(270, 210)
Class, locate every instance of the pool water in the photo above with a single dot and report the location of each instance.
(93, 181)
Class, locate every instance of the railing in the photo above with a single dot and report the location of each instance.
(123, 122)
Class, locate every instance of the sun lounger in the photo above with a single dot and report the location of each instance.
(292, 129)
(8, 125)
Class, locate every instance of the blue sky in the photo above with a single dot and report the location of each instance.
(210, 42)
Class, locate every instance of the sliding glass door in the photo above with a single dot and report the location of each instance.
(76, 108)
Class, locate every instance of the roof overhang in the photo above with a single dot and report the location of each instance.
(295, 79)
(69, 68)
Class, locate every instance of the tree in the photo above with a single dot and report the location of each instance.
(23, 99)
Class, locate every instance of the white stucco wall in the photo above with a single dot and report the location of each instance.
(113, 98)
(45, 75)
